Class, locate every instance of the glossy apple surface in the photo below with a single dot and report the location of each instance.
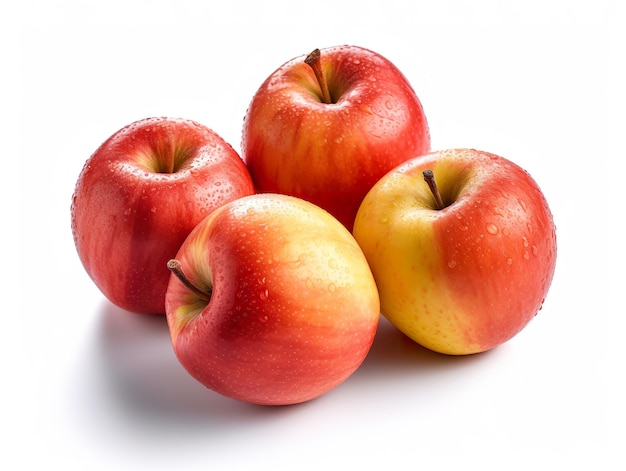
(468, 277)
(291, 307)
(140, 194)
(331, 153)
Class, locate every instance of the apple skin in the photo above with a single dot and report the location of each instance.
(294, 307)
(469, 277)
(332, 154)
(131, 211)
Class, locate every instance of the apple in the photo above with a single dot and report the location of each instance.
(140, 194)
(271, 301)
(327, 126)
(462, 245)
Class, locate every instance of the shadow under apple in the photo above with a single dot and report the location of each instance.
(395, 357)
(151, 385)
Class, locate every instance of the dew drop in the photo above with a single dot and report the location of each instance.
(127, 212)
(263, 319)
(492, 229)
(264, 295)
(452, 263)
(509, 261)
(332, 287)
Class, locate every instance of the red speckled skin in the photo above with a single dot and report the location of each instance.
(294, 308)
(466, 278)
(332, 154)
(128, 219)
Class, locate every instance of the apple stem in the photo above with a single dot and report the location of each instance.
(429, 178)
(313, 60)
(177, 269)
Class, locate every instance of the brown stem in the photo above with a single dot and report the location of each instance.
(429, 178)
(177, 269)
(313, 60)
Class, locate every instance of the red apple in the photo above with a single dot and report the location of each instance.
(271, 301)
(468, 272)
(138, 197)
(327, 126)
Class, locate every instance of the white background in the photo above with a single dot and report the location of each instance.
(88, 386)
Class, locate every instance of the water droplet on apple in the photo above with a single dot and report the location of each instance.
(263, 319)
(525, 240)
(492, 229)
(526, 255)
(332, 287)
(309, 283)
(264, 295)
(522, 203)
(509, 261)
(153, 209)
(127, 212)
(452, 263)
(534, 249)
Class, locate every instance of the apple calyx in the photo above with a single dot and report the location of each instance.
(313, 60)
(177, 269)
(429, 178)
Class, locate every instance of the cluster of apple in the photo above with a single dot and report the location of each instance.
(273, 267)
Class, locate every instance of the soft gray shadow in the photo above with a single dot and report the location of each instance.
(150, 384)
(393, 355)
(151, 387)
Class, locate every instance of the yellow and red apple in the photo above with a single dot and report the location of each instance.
(467, 273)
(271, 301)
(138, 197)
(327, 126)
